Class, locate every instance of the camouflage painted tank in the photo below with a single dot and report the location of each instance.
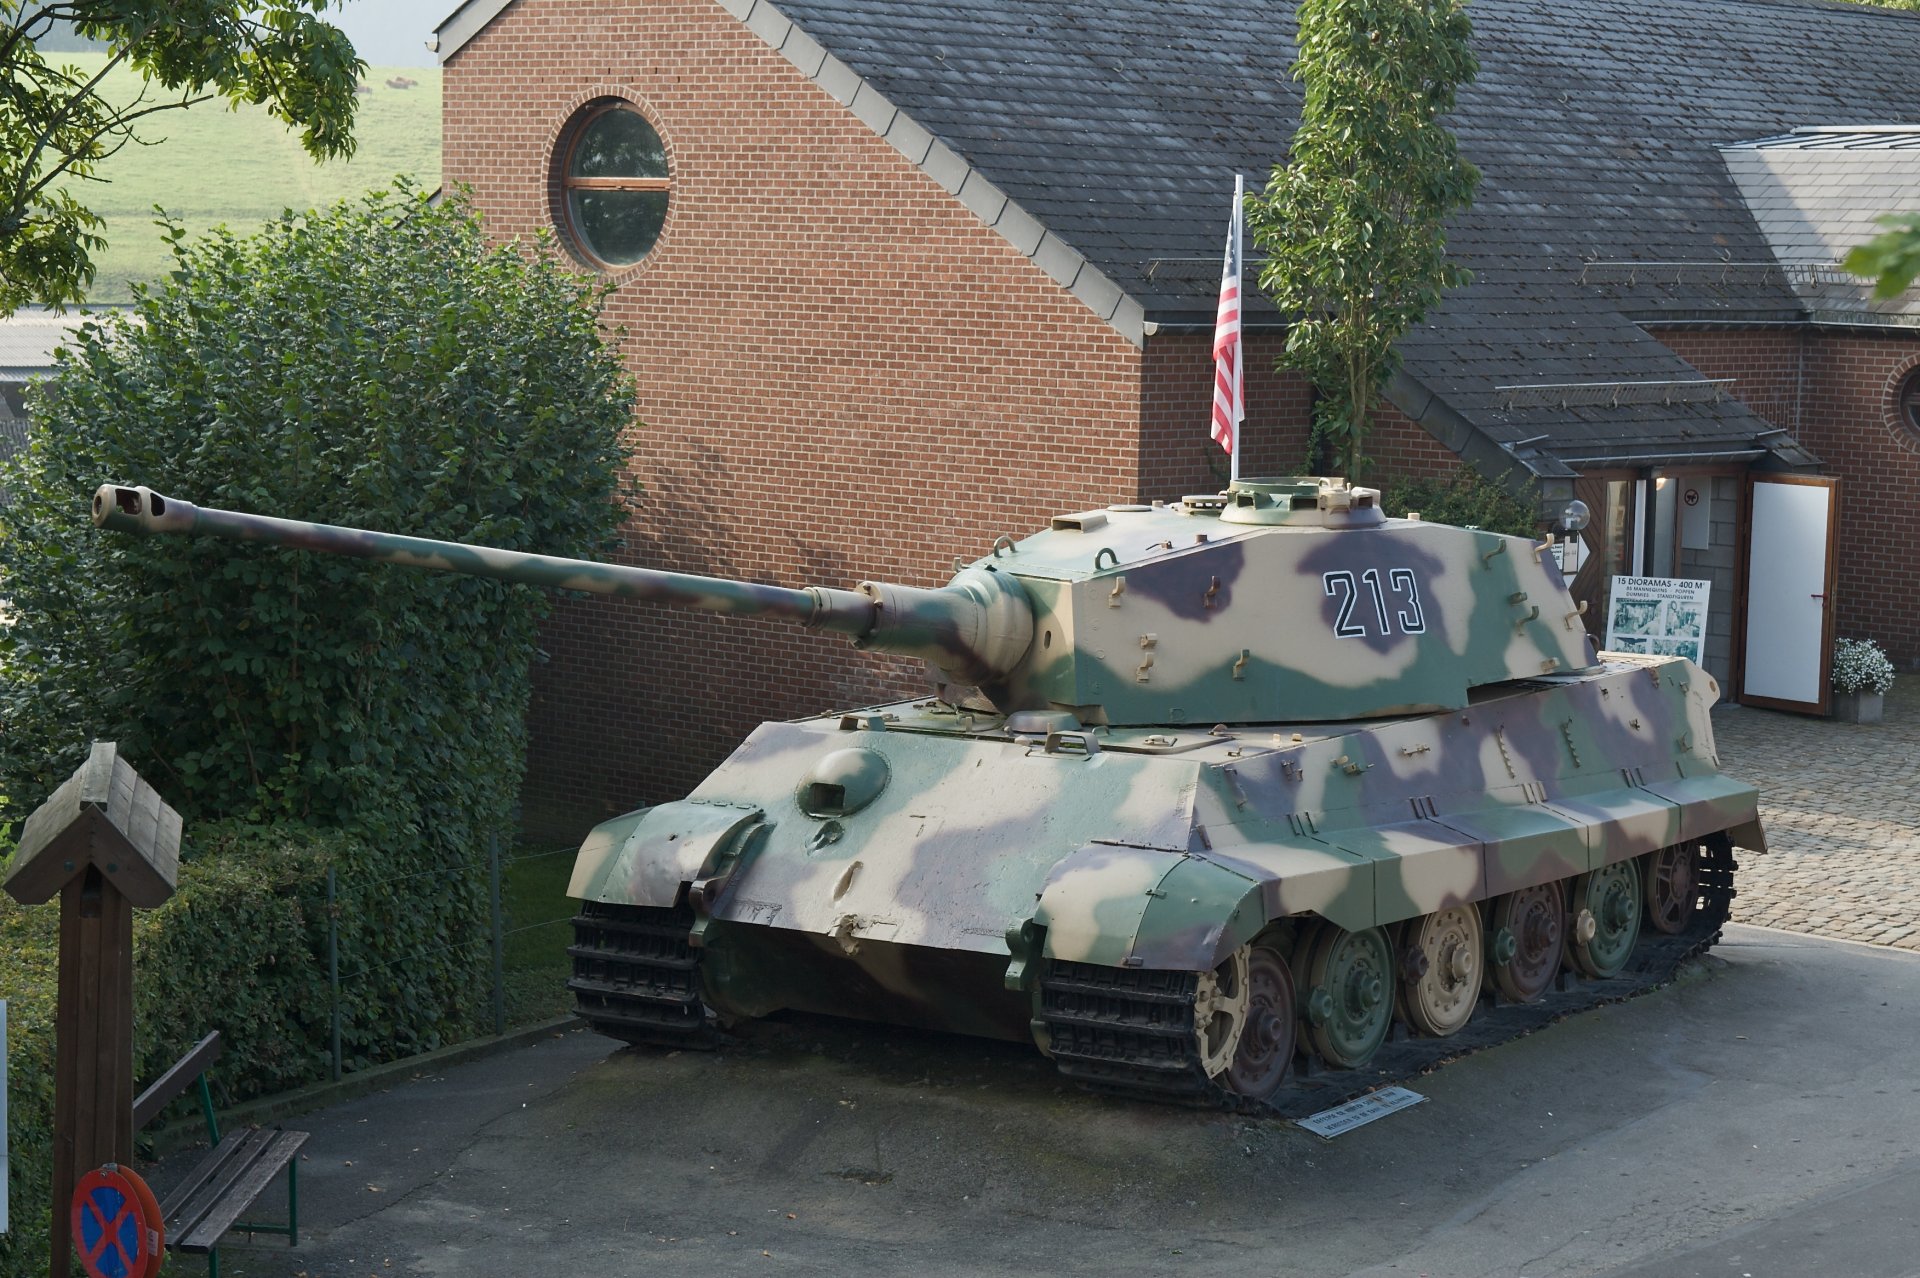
(1211, 794)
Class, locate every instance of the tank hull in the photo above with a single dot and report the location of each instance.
(918, 865)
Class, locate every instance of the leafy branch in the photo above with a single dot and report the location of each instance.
(1352, 221)
(57, 125)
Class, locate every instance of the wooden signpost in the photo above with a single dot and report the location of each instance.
(104, 843)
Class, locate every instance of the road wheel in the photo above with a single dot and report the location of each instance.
(1348, 1006)
(1441, 970)
(1606, 919)
(1526, 941)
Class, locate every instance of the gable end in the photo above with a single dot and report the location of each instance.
(1061, 262)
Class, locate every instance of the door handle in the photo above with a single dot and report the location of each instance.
(1816, 596)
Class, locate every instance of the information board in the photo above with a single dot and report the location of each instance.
(1660, 616)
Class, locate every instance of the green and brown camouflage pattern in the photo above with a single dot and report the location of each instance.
(1186, 722)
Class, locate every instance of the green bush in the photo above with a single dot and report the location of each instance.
(375, 364)
(29, 941)
(241, 948)
(1465, 499)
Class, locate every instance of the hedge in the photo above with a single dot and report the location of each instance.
(379, 364)
(241, 948)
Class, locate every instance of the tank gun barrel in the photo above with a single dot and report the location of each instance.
(977, 628)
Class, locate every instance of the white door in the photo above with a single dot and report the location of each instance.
(1790, 587)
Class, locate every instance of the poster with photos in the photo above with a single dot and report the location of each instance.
(1660, 616)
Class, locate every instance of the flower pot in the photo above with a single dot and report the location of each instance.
(1857, 707)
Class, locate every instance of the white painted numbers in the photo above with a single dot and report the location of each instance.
(1393, 610)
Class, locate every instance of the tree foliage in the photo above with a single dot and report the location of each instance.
(57, 126)
(1465, 499)
(1351, 222)
(1892, 258)
(376, 364)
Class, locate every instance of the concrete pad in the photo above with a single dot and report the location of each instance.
(1758, 1117)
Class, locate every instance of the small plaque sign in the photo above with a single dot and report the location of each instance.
(1342, 1119)
(1662, 616)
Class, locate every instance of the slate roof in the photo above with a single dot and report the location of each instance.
(13, 435)
(1816, 193)
(1596, 126)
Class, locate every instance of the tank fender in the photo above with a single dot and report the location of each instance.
(650, 856)
(1121, 905)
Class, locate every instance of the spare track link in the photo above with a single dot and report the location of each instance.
(635, 977)
(1130, 1031)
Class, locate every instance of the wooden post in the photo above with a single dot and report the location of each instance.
(104, 843)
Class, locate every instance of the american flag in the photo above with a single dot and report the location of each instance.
(1229, 399)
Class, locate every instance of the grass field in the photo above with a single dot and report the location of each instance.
(209, 165)
(534, 900)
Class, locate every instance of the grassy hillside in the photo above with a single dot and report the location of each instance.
(209, 165)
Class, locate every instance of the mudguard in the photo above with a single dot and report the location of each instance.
(649, 857)
(1126, 906)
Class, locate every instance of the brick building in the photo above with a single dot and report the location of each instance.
(897, 278)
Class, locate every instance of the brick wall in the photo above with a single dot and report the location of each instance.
(1850, 421)
(1766, 365)
(842, 374)
(1177, 452)
(1178, 457)
(1835, 392)
(1401, 448)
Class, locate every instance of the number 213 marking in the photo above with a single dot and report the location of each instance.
(1403, 616)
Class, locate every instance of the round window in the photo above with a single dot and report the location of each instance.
(614, 184)
(1907, 408)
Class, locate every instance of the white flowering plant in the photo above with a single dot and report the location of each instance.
(1861, 665)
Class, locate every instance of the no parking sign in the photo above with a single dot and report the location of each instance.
(117, 1227)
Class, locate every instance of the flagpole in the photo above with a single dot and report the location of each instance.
(1240, 360)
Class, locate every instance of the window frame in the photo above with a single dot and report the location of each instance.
(576, 131)
(1906, 415)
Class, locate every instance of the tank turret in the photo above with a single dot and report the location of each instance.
(1294, 599)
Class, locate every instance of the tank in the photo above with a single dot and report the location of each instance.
(1248, 799)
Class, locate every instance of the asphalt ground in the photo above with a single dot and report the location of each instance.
(1758, 1119)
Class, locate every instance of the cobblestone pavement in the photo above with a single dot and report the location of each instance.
(1841, 804)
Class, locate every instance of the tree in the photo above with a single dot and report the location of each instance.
(1892, 258)
(1352, 221)
(375, 364)
(57, 126)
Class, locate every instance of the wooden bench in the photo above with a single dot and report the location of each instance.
(236, 1171)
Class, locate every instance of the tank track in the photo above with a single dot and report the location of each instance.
(636, 979)
(1130, 1031)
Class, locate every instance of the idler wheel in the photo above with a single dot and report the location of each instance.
(1527, 941)
(1220, 1012)
(1442, 969)
(1265, 1050)
(1611, 897)
(1671, 888)
(1348, 1008)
